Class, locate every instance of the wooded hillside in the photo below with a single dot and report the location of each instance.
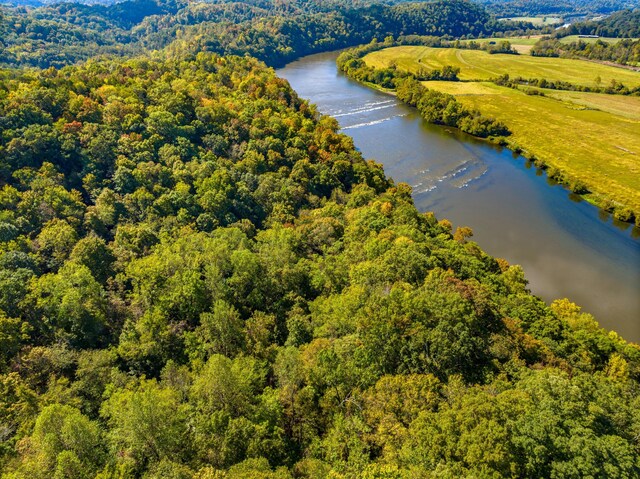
(201, 278)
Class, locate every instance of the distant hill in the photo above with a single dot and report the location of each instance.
(513, 8)
(623, 24)
(265, 4)
(272, 31)
(40, 3)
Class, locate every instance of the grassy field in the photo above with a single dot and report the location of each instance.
(480, 65)
(623, 106)
(539, 20)
(592, 137)
(522, 45)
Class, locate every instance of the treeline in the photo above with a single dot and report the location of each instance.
(622, 24)
(444, 109)
(446, 73)
(201, 278)
(613, 88)
(624, 52)
(435, 107)
(275, 32)
(490, 46)
(518, 8)
(487, 45)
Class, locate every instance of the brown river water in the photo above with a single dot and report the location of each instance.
(567, 247)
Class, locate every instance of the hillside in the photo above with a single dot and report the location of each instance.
(622, 24)
(275, 32)
(512, 8)
(201, 278)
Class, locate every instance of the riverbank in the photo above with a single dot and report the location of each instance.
(566, 248)
(583, 143)
(578, 139)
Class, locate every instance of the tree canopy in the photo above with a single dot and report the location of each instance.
(202, 278)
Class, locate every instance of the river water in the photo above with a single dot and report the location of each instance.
(567, 247)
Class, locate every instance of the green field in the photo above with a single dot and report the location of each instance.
(480, 65)
(539, 20)
(624, 106)
(521, 44)
(618, 105)
(599, 146)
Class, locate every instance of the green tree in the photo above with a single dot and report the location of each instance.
(69, 305)
(219, 332)
(146, 424)
(64, 444)
(94, 253)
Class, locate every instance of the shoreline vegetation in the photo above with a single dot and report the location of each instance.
(435, 107)
(445, 95)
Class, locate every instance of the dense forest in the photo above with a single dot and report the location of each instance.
(275, 32)
(624, 52)
(201, 278)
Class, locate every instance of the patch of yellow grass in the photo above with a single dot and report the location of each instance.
(522, 45)
(624, 106)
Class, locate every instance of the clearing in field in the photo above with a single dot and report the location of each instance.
(592, 137)
(522, 45)
(539, 20)
(479, 65)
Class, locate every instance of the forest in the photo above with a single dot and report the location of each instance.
(202, 278)
(623, 52)
(515, 8)
(273, 32)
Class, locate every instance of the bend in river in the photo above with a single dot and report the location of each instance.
(567, 248)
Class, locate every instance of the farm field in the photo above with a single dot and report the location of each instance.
(480, 65)
(624, 106)
(600, 147)
(522, 45)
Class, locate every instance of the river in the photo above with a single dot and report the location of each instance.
(568, 248)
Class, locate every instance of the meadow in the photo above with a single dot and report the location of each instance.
(624, 106)
(522, 45)
(478, 65)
